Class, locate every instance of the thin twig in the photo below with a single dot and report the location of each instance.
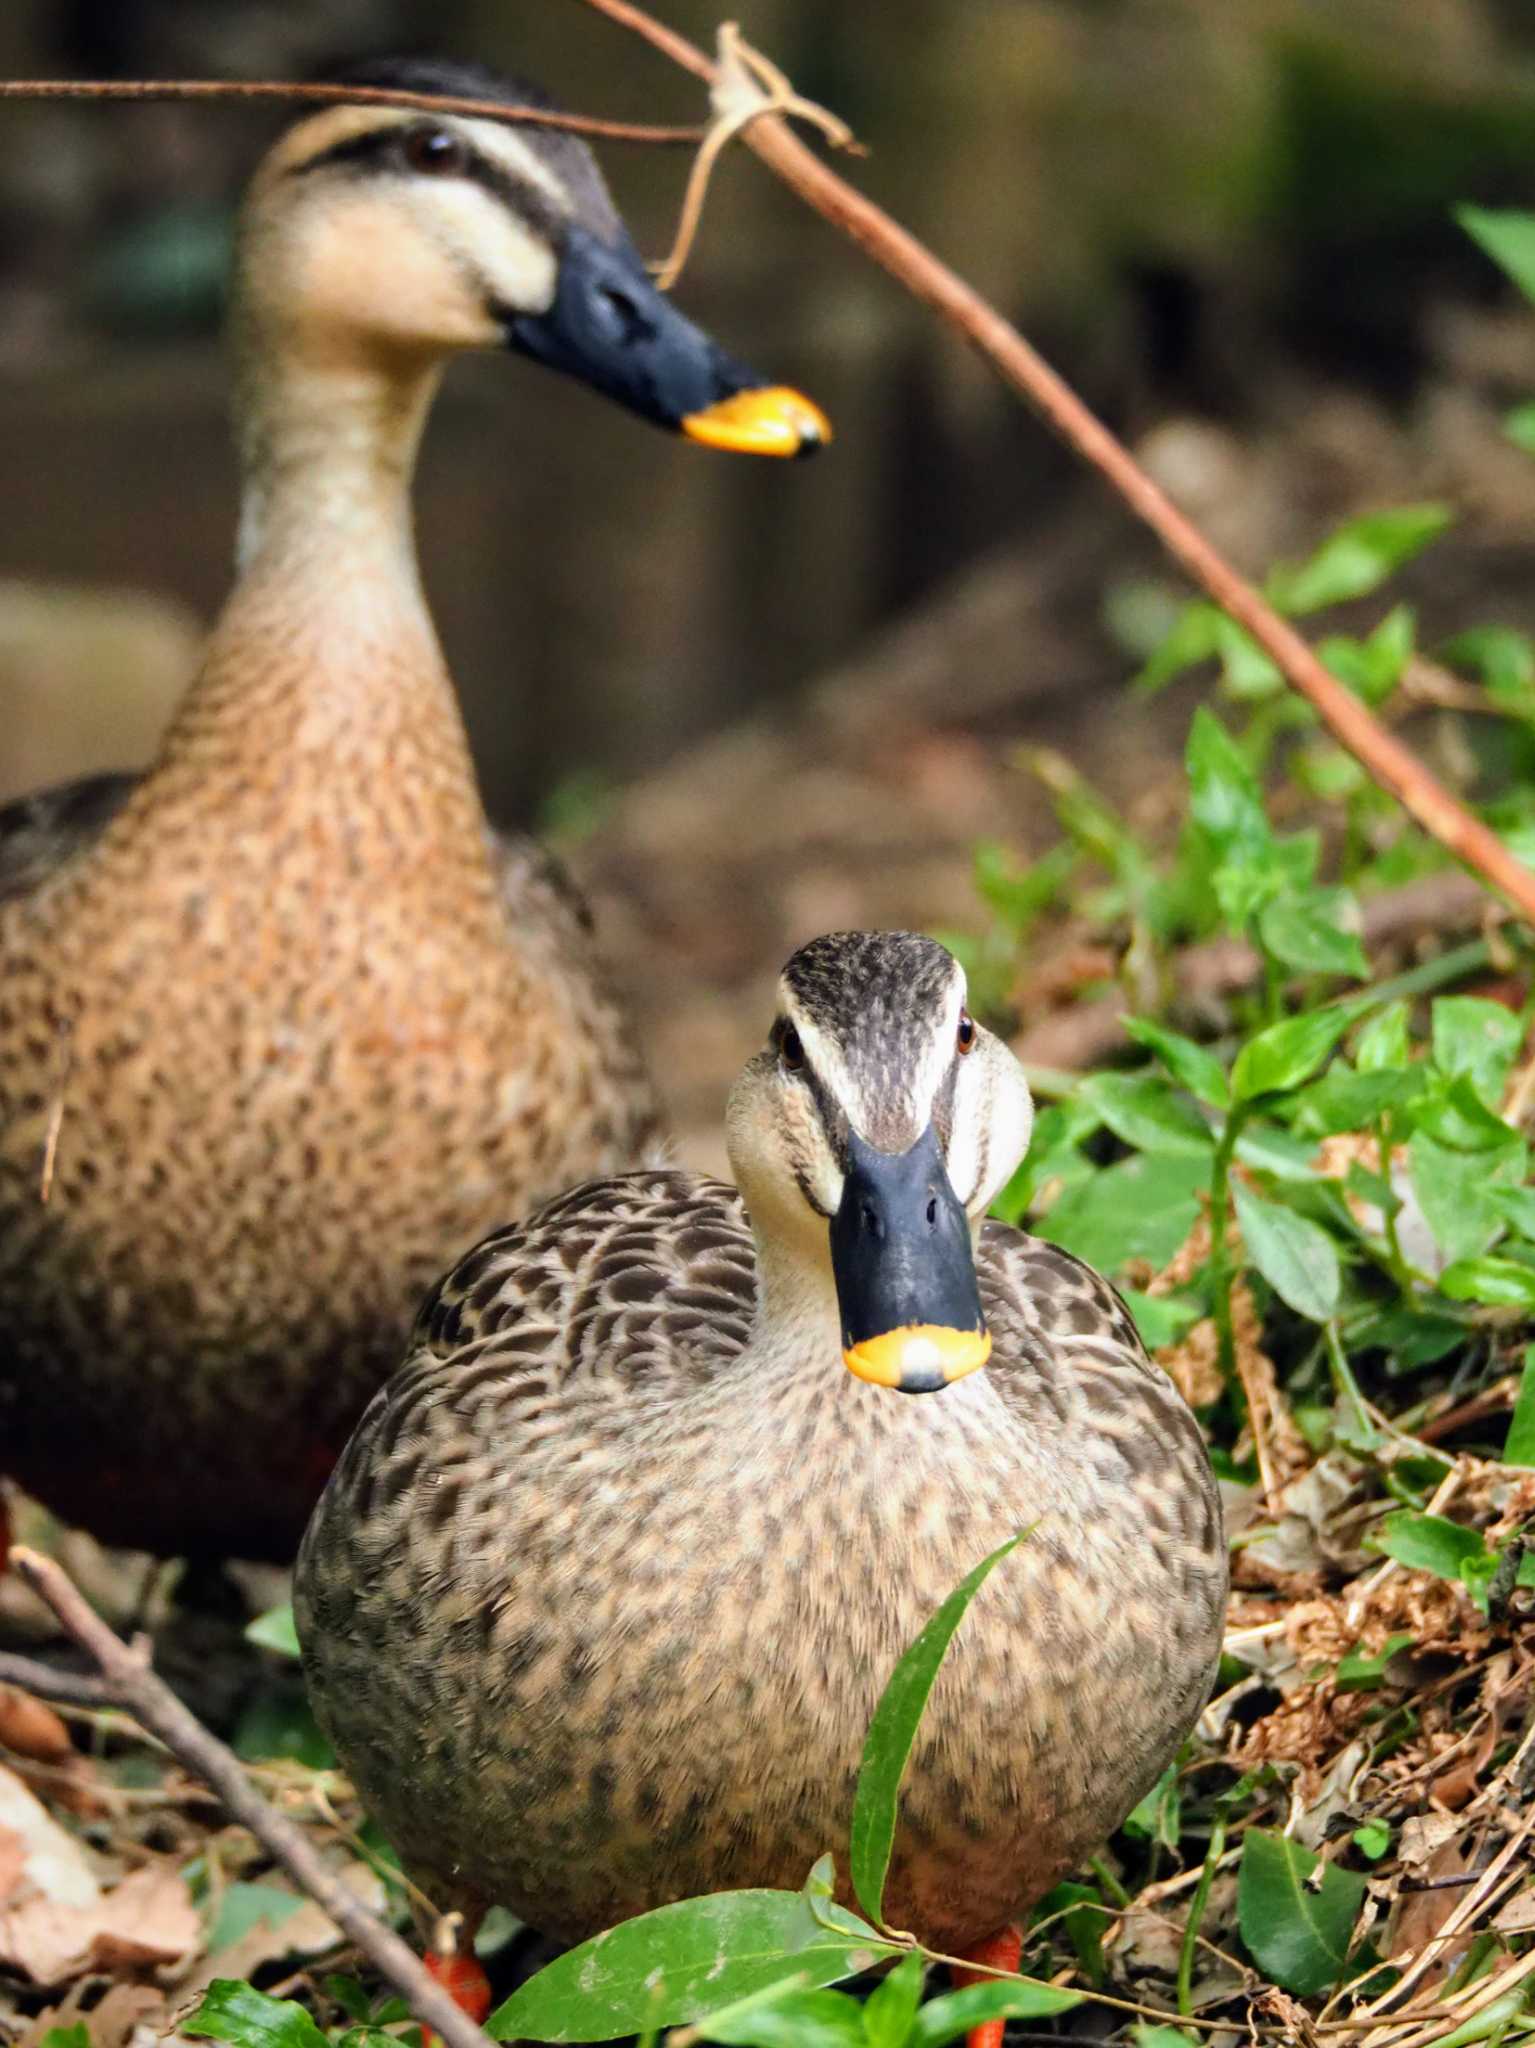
(1388, 762)
(329, 95)
(128, 1682)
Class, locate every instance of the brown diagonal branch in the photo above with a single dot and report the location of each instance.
(128, 1682)
(1391, 764)
(146, 89)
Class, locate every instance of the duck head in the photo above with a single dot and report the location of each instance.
(869, 1138)
(399, 238)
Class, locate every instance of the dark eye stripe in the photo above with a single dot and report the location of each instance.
(381, 148)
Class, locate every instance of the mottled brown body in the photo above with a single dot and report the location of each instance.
(274, 1043)
(599, 1602)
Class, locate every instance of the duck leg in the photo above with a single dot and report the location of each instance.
(451, 1960)
(1000, 1951)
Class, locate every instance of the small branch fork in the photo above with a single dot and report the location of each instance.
(126, 1681)
(1395, 767)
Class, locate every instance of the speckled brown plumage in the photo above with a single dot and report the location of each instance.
(601, 1597)
(282, 1024)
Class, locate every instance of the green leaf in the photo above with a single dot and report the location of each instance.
(1508, 237)
(1504, 660)
(1161, 1318)
(892, 1732)
(1140, 1208)
(1384, 1041)
(1344, 1099)
(1428, 1543)
(1147, 1114)
(1455, 1191)
(1365, 1670)
(1519, 426)
(279, 1723)
(1194, 637)
(1357, 558)
(681, 1961)
(351, 1995)
(892, 2005)
(232, 2011)
(945, 2018)
(1287, 1053)
(76, 2036)
(1372, 1838)
(1295, 1256)
(1479, 1039)
(1226, 806)
(788, 2017)
(1190, 1065)
(1159, 1816)
(1520, 1446)
(1500, 1283)
(1147, 2036)
(1299, 1936)
(274, 1630)
(1373, 667)
(244, 1906)
(1315, 931)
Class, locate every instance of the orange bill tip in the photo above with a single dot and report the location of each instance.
(772, 420)
(919, 1358)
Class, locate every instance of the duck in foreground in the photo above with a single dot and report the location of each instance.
(283, 1024)
(600, 1599)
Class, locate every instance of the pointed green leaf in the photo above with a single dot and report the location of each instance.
(1298, 1935)
(1287, 1053)
(664, 1968)
(1139, 1208)
(1194, 637)
(1315, 931)
(1145, 1112)
(1357, 558)
(1499, 1282)
(1428, 1543)
(787, 2016)
(1479, 1039)
(1190, 1065)
(892, 1731)
(945, 2018)
(274, 1630)
(1508, 237)
(1224, 798)
(236, 2012)
(1520, 1447)
(892, 2005)
(1295, 1256)
(1384, 1041)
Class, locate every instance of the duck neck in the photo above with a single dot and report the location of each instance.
(797, 1320)
(325, 643)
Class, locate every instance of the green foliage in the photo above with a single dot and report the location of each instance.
(275, 1630)
(892, 1732)
(1296, 1927)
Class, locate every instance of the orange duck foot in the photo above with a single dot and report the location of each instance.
(465, 1983)
(1000, 1951)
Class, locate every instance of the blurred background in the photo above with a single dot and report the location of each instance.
(752, 702)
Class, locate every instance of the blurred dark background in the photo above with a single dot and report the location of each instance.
(758, 699)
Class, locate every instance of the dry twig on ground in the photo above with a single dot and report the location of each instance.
(127, 1682)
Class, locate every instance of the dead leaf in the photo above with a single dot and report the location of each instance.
(53, 1864)
(148, 1919)
(32, 1729)
(113, 2020)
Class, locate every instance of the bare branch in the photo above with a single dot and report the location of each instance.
(129, 1683)
(346, 95)
(1389, 763)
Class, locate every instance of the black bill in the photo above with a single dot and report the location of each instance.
(905, 1270)
(613, 329)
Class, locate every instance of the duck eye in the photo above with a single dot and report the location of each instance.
(435, 151)
(964, 1037)
(790, 1049)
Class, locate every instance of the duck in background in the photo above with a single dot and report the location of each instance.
(283, 1023)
